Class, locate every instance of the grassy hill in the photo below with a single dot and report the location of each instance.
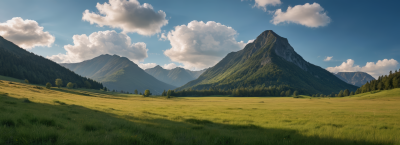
(118, 73)
(34, 115)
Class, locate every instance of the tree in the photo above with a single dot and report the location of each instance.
(322, 95)
(70, 85)
(341, 94)
(146, 93)
(59, 83)
(169, 94)
(294, 93)
(396, 82)
(388, 84)
(346, 92)
(288, 92)
(87, 84)
(351, 93)
(26, 81)
(105, 89)
(48, 85)
(380, 86)
(164, 93)
(282, 93)
(136, 92)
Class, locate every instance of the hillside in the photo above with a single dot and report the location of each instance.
(355, 78)
(268, 61)
(118, 73)
(177, 76)
(18, 63)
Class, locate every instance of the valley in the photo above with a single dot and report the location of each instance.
(36, 115)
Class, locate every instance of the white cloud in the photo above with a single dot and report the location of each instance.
(328, 58)
(163, 37)
(250, 41)
(170, 66)
(382, 67)
(199, 45)
(262, 4)
(130, 16)
(147, 65)
(102, 42)
(308, 15)
(25, 33)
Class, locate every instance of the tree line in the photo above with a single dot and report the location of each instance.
(384, 82)
(282, 90)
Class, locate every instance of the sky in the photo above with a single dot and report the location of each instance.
(340, 35)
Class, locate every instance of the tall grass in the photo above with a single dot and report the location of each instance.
(70, 116)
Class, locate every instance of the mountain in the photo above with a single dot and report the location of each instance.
(118, 73)
(18, 63)
(355, 78)
(268, 61)
(177, 76)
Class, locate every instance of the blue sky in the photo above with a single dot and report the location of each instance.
(364, 31)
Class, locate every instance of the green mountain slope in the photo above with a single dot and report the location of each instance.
(18, 63)
(355, 78)
(118, 73)
(177, 76)
(268, 61)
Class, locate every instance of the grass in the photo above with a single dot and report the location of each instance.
(81, 116)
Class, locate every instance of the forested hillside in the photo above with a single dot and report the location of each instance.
(267, 67)
(18, 63)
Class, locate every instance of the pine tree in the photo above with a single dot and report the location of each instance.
(396, 82)
(136, 92)
(169, 94)
(346, 92)
(341, 94)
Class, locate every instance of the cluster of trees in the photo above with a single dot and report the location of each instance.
(167, 94)
(282, 90)
(342, 93)
(386, 82)
(38, 70)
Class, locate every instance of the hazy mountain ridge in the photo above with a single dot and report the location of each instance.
(18, 63)
(268, 61)
(118, 73)
(355, 78)
(177, 76)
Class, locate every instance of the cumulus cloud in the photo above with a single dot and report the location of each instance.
(382, 67)
(102, 42)
(147, 65)
(328, 58)
(163, 37)
(170, 66)
(250, 41)
(199, 45)
(25, 33)
(262, 4)
(130, 16)
(310, 15)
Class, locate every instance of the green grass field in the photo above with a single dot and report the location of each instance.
(30, 115)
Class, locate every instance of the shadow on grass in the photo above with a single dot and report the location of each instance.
(71, 92)
(35, 123)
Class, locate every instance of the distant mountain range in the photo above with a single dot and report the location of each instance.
(18, 63)
(355, 78)
(177, 76)
(118, 73)
(268, 61)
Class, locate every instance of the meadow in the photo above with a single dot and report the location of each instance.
(32, 114)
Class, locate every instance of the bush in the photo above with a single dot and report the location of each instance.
(48, 85)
